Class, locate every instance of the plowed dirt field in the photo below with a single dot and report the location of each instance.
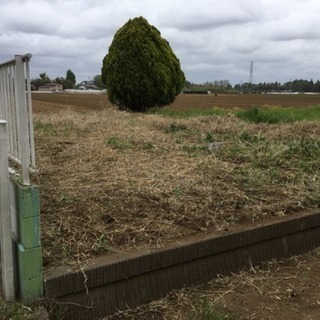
(50, 102)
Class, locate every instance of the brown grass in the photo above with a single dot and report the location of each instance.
(112, 181)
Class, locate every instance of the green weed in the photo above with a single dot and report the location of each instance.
(209, 137)
(118, 143)
(250, 138)
(303, 154)
(313, 199)
(65, 198)
(188, 113)
(14, 310)
(175, 127)
(207, 312)
(50, 130)
(279, 115)
(305, 147)
(258, 116)
(147, 146)
(177, 192)
(46, 128)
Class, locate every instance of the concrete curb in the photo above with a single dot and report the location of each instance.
(120, 281)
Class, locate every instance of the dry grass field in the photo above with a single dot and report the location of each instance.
(113, 181)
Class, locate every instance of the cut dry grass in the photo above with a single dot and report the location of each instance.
(111, 181)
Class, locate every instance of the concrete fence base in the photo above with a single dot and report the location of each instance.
(25, 208)
(127, 280)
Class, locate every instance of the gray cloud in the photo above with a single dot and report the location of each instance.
(207, 15)
(213, 39)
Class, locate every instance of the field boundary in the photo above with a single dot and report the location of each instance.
(119, 281)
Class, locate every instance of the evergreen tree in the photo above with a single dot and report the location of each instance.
(141, 70)
(42, 80)
(98, 82)
(70, 76)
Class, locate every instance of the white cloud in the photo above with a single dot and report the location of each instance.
(212, 39)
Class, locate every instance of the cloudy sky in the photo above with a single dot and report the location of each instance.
(213, 39)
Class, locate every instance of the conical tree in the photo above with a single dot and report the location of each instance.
(141, 70)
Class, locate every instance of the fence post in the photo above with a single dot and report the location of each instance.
(26, 60)
(5, 218)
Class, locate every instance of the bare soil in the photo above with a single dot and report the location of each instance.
(44, 102)
(110, 181)
(243, 101)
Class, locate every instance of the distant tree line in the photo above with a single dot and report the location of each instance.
(297, 85)
(217, 86)
(97, 80)
(224, 86)
(68, 82)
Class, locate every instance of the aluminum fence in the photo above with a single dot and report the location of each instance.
(16, 109)
(16, 154)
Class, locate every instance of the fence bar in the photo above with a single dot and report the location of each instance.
(26, 59)
(5, 219)
(12, 115)
(22, 119)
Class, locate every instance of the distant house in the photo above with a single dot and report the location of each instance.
(54, 87)
(88, 85)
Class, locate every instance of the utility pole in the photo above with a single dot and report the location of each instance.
(251, 73)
